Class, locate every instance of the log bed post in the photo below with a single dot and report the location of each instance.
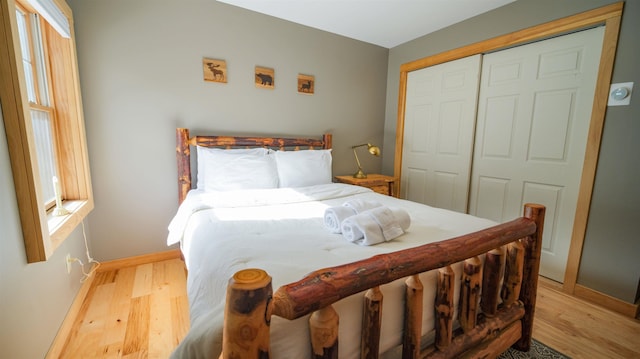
(492, 274)
(444, 307)
(414, 293)
(371, 324)
(514, 265)
(533, 246)
(247, 316)
(323, 328)
(470, 293)
(183, 159)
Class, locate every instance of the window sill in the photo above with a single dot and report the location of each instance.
(60, 227)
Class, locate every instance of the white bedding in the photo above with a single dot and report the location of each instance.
(281, 231)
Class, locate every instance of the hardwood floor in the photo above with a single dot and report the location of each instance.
(142, 311)
(132, 312)
(580, 329)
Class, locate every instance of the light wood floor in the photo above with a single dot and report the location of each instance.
(142, 312)
(132, 312)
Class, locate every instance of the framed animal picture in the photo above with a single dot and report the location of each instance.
(214, 70)
(306, 84)
(264, 77)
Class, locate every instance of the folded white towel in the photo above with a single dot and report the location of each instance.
(362, 229)
(334, 216)
(376, 225)
(387, 222)
(361, 205)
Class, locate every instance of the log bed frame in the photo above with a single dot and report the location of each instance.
(496, 305)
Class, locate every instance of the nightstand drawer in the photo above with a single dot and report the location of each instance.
(383, 189)
(378, 183)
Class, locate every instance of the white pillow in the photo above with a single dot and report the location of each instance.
(303, 168)
(223, 170)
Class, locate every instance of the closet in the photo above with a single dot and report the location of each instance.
(486, 133)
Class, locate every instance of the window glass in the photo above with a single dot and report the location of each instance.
(43, 131)
(26, 54)
(42, 117)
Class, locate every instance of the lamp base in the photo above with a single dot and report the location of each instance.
(359, 174)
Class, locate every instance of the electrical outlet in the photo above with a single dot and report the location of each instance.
(69, 261)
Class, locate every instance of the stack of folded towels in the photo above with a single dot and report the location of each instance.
(366, 222)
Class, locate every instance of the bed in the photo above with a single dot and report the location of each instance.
(452, 285)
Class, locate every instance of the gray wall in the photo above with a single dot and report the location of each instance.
(141, 76)
(34, 298)
(610, 258)
(140, 70)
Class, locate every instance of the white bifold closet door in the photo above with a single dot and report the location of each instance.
(534, 111)
(440, 116)
(488, 133)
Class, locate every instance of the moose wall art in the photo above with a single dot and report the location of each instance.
(214, 70)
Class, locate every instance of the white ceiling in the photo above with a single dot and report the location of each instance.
(386, 23)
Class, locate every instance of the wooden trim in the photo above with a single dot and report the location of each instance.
(402, 98)
(69, 320)
(137, 260)
(60, 232)
(66, 99)
(598, 112)
(610, 16)
(609, 302)
(14, 112)
(73, 160)
(534, 33)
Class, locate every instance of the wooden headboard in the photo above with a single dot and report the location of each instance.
(183, 150)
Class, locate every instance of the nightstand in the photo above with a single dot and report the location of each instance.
(378, 183)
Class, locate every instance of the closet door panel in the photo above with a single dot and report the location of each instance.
(549, 138)
(551, 196)
(492, 197)
(497, 136)
(438, 134)
(534, 111)
(415, 184)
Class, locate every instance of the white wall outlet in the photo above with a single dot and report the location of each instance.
(68, 261)
(620, 94)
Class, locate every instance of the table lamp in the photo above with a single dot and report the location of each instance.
(374, 150)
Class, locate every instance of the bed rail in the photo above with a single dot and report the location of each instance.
(486, 328)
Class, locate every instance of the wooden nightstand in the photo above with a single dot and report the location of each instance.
(378, 183)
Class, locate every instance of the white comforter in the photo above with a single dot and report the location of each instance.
(282, 232)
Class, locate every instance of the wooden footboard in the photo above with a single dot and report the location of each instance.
(496, 310)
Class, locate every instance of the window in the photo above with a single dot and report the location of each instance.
(43, 119)
(37, 77)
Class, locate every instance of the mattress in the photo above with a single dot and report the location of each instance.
(282, 232)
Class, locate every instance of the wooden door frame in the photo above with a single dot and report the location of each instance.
(609, 16)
